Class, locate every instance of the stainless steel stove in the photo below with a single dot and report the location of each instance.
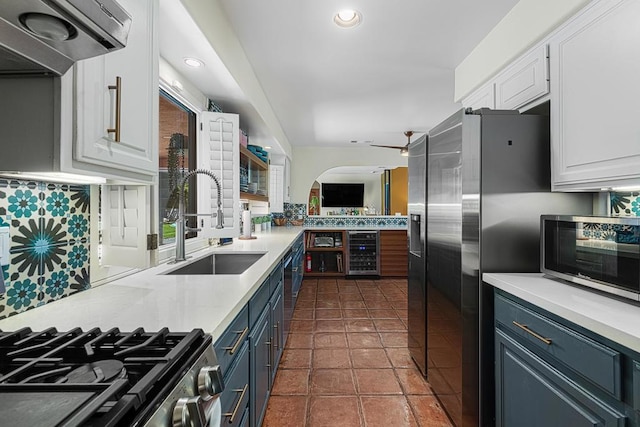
(110, 378)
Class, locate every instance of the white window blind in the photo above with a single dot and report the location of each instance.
(220, 153)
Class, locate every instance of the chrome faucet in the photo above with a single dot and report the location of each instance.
(181, 228)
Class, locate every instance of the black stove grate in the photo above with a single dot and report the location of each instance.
(50, 366)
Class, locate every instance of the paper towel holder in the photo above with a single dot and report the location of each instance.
(246, 226)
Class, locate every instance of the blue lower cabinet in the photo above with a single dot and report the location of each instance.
(261, 366)
(277, 322)
(249, 351)
(276, 277)
(551, 372)
(636, 385)
(235, 398)
(258, 302)
(298, 266)
(229, 343)
(530, 392)
(245, 419)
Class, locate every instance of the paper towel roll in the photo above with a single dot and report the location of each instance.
(246, 224)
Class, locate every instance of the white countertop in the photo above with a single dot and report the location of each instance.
(152, 300)
(616, 320)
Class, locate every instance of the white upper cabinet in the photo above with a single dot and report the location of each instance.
(61, 124)
(524, 81)
(219, 152)
(276, 188)
(116, 101)
(595, 66)
(483, 97)
(287, 180)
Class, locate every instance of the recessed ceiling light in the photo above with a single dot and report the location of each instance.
(347, 18)
(193, 62)
(267, 147)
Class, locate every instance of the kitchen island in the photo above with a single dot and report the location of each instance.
(152, 300)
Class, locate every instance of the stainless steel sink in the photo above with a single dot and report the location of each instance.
(223, 263)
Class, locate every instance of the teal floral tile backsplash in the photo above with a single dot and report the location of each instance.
(49, 242)
(625, 203)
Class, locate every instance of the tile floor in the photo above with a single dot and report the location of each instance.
(346, 362)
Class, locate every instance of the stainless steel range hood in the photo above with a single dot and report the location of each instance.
(48, 36)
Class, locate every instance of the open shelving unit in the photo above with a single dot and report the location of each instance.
(327, 250)
(258, 173)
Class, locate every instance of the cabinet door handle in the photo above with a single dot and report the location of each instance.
(118, 88)
(525, 328)
(276, 326)
(233, 414)
(269, 353)
(242, 333)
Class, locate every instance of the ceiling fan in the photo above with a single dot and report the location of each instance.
(404, 150)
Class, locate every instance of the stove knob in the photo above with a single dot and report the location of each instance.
(188, 412)
(210, 382)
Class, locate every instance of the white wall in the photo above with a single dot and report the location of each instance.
(309, 163)
(527, 23)
(371, 187)
(213, 22)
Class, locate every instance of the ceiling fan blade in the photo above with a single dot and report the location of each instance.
(388, 146)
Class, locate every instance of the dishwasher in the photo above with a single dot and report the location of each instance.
(364, 253)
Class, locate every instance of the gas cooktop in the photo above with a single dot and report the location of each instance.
(92, 378)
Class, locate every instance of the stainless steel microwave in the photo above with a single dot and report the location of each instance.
(599, 252)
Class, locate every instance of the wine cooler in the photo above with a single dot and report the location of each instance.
(364, 253)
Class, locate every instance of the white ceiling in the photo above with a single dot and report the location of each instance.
(329, 86)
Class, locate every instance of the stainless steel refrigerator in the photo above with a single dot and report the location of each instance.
(486, 177)
(417, 314)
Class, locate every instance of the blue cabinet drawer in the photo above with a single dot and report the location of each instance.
(532, 393)
(235, 397)
(258, 302)
(594, 361)
(276, 277)
(229, 343)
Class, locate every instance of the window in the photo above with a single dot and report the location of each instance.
(177, 155)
